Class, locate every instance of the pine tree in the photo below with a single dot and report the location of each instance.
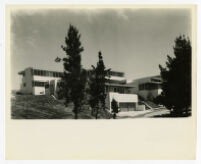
(74, 76)
(176, 86)
(97, 84)
(114, 106)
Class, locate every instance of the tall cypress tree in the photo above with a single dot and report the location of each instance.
(176, 86)
(74, 76)
(98, 81)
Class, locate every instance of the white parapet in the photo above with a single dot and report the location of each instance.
(116, 78)
(44, 78)
(38, 90)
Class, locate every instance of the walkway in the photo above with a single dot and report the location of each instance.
(143, 114)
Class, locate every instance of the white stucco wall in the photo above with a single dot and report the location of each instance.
(117, 78)
(38, 90)
(44, 78)
(27, 79)
(41, 90)
(135, 88)
(120, 98)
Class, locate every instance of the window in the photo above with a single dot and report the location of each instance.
(51, 74)
(47, 85)
(24, 84)
(117, 81)
(121, 90)
(141, 87)
(113, 73)
(60, 74)
(38, 72)
(156, 80)
(56, 74)
(47, 73)
(38, 84)
(35, 72)
(127, 106)
(149, 86)
(43, 73)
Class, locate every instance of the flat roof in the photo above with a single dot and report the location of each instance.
(148, 77)
(112, 71)
(22, 72)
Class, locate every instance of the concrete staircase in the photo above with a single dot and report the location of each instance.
(150, 105)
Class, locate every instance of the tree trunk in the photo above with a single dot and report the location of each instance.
(97, 115)
(92, 111)
(76, 115)
(76, 112)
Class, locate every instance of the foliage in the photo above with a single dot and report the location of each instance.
(176, 86)
(115, 107)
(98, 79)
(150, 97)
(60, 91)
(74, 76)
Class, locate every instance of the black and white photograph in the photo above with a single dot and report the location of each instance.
(100, 82)
(101, 63)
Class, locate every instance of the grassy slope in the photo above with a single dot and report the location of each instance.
(43, 107)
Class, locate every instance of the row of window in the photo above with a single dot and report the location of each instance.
(39, 84)
(149, 86)
(119, 74)
(117, 89)
(117, 81)
(156, 80)
(47, 73)
(127, 105)
(111, 73)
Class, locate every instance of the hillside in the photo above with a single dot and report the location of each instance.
(44, 107)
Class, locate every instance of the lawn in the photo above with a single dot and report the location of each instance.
(45, 107)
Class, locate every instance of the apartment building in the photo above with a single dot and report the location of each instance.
(41, 82)
(148, 87)
(36, 81)
(118, 89)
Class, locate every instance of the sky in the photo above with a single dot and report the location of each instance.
(134, 41)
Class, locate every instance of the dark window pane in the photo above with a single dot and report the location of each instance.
(38, 72)
(38, 83)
